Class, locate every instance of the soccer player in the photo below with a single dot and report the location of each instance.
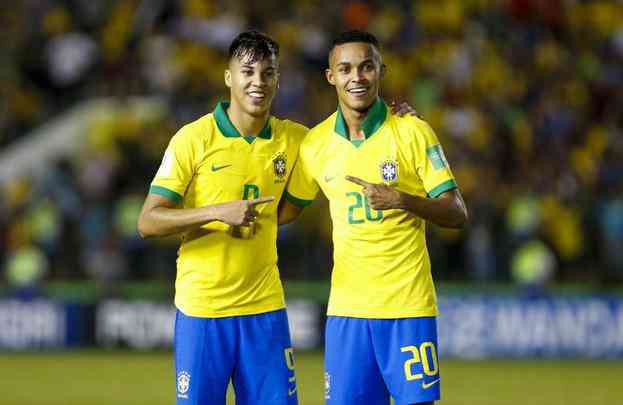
(217, 186)
(384, 176)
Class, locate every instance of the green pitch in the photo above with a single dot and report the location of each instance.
(120, 378)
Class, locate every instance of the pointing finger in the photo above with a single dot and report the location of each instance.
(261, 200)
(357, 180)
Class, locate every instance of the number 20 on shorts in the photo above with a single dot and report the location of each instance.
(425, 354)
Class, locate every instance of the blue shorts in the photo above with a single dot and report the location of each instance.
(367, 360)
(253, 351)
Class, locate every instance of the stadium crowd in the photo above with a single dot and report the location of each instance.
(526, 96)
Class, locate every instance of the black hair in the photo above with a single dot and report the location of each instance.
(253, 45)
(355, 36)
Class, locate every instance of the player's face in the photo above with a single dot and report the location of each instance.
(253, 84)
(355, 70)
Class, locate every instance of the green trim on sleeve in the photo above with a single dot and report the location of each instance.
(165, 192)
(297, 201)
(442, 188)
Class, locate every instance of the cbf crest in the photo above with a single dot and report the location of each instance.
(389, 171)
(280, 166)
(183, 384)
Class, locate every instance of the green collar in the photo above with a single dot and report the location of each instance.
(373, 121)
(229, 130)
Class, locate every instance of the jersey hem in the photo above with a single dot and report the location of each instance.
(225, 314)
(384, 314)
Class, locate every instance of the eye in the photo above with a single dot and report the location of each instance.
(247, 72)
(343, 69)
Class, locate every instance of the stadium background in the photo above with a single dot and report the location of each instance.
(526, 96)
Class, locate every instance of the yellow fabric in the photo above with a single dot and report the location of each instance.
(381, 264)
(224, 270)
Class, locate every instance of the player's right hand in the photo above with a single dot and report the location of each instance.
(241, 212)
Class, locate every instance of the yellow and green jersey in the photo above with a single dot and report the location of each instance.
(381, 264)
(224, 270)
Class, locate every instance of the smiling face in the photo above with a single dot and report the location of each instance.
(355, 69)
(252, 83)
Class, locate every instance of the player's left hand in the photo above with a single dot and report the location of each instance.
(403, 109)
(380, 196)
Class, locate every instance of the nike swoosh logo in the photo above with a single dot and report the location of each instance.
(291, 392)
(217, 167)
(328, 178)
(430, 384)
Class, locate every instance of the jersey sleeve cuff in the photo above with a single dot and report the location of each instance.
(297, 201)
(442, 188)
(165, 192)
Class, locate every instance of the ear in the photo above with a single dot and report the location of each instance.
(228, 78)
(383, 70)
(330, 78)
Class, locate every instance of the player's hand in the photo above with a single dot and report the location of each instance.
(380, 196)
(241, 212)
(403, 109)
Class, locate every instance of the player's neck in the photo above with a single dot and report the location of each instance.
(245, 123)
(354, 120)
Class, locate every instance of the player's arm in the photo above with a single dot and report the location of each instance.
(300, 191)
(161, 216)
(447, 210)
(287, 211)
(403, 108)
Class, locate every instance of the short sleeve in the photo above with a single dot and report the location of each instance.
(302, 188)
(176, 169)
(432, 165)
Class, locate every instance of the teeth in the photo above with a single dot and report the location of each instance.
(357, 90)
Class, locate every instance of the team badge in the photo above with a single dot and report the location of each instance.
(280, 166)
(183, 384)
(389, 171)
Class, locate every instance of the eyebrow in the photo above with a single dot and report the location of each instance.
(361, 63)
(247, 66)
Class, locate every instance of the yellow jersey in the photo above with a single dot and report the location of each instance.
(224, 270)
(381, 264)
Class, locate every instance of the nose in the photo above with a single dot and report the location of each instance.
(258, 79)
(358, 75)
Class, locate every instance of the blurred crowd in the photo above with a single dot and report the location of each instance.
(525, 95)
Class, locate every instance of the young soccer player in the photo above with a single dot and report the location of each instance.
(384, 177)
(218, 185)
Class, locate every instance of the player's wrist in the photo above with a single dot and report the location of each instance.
(400, 200)
(214, 213)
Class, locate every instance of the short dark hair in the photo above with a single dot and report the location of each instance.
(355, 36)
(254, 45)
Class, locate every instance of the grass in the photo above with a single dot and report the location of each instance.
(121, 377)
